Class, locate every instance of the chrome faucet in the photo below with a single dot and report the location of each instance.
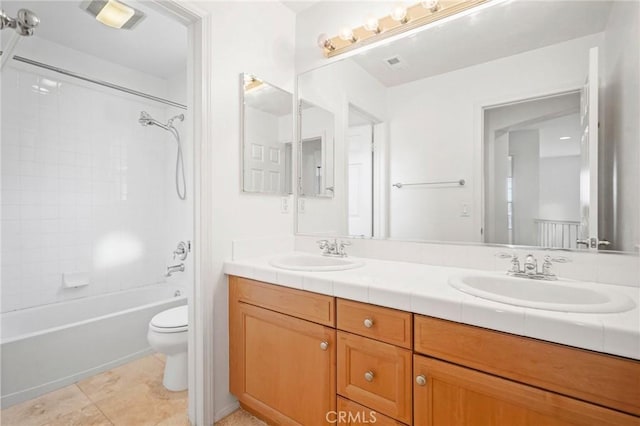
(530, 269)
(334, 249)
(173, 269)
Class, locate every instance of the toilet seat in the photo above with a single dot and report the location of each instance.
(172, 320)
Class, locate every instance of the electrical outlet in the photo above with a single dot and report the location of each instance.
(301, 203)
(465, 211)
(284, 205)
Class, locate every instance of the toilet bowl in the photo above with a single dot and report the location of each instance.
(168, 335)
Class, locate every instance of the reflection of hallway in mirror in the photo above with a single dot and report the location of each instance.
(532, 172)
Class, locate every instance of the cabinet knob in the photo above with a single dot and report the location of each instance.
(421, 380)
(368, 322)
(324, 346)
(368, 376)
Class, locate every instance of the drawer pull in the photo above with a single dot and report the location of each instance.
(368, 322)
(421, 380)
(368, 376)
(324, 346)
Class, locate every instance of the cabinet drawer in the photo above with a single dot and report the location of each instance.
(297, 303)
(375, 374)
(385, 324)
(598, 378)
(351, 413)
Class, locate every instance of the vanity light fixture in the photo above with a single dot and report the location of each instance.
(251, 83)
(432, 5)
(325, 43)
(401, 19)
(371, 23)
(346, 34)
(399, 13)
(113, 13)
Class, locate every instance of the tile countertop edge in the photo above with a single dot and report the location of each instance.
(605, 333)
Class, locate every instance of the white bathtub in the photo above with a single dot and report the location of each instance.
(48, 347)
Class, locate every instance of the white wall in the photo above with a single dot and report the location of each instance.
(435, 134)
(85, 188)
(255, 37)
(524, 148)
(620, 109)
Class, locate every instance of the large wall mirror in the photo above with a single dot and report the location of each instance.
(266, 139)
(516, 125)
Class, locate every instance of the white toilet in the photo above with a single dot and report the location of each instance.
(168, 335)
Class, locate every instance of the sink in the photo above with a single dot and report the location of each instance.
(564, 296)
(309, 262)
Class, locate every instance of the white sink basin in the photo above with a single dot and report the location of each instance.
(309, 262)
(559, 295)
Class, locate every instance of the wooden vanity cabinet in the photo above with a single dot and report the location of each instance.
(290, 366)
(282, 367)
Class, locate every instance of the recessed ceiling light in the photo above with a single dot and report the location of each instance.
(564, 138)
(113, 13)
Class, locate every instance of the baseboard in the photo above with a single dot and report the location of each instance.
(224, 412)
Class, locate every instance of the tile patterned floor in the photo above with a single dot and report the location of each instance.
(240, 418)
(129, 395)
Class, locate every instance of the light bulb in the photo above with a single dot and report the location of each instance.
(346, 34)
(371, 24)
(399, 13)
(325, 42)
(432, 5)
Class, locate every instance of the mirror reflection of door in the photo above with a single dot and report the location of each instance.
(533, 172)
(361, 172)
(316, 151)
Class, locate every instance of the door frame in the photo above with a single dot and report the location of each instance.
(200, 335)
(479, 184)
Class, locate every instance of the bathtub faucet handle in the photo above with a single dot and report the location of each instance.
(182, 250)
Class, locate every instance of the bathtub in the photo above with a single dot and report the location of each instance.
(48, 347)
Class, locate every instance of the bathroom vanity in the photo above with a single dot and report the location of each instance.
(300, 357)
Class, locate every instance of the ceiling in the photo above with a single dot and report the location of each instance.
(299, 6)
(157, 46)
(503, 30)
(269, 99)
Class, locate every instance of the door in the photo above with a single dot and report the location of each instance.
(281, 366)
(360, 142)
(445, 394)
(589, 155)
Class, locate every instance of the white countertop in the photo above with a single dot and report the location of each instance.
(424, 289)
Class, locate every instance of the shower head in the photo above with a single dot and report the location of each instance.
(23, 24)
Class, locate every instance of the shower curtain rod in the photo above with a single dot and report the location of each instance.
(98, 82)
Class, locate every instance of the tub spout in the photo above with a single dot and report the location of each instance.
(173, 269)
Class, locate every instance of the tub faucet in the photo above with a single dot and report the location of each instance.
(173, 269)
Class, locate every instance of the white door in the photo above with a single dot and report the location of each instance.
(264, 170)
(589, 155)
(360, 143)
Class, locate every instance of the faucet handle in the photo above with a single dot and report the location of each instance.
(322, 243)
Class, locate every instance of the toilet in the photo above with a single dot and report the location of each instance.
(168, 335)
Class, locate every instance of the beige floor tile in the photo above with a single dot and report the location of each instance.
(46, 408)
(113, 382)
(88, 416)
(161, 357)
(143, 404)
(180, 419)
(240, 418)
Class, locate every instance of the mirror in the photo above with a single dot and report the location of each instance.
(316, 151)
(513, 125)
(266, 137)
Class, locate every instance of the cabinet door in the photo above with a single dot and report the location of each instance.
(376, 375)
(281, 367)
(449, 395)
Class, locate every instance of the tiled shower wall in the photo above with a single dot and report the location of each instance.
(84, 189)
